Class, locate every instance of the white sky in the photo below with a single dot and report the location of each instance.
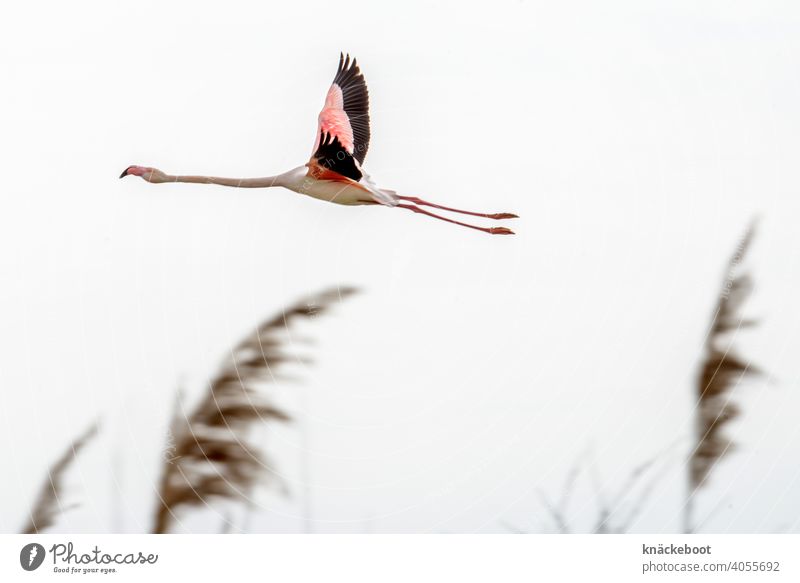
(636, 140)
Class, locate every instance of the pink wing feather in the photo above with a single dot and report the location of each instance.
(333, 119)
(345, 114)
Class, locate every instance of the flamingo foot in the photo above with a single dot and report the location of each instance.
(500, 231)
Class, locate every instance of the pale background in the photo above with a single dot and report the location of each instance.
(636, 140)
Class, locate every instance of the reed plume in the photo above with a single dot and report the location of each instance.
(49, 505)
(210, 453)
(720, 373)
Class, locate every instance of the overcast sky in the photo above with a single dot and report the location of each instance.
(636, 141)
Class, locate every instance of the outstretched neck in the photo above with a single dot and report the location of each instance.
(263, 182)
(156, 176)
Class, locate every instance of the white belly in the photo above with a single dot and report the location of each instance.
(328, 190)
(332, 191)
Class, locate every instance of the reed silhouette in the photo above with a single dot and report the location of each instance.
(49, 504)
(721, 372)
(615, 511)
(212, 453)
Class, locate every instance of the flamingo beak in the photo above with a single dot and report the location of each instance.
(125, 172)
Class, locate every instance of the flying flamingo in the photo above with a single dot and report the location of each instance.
(334, 172)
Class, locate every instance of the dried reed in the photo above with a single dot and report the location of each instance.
(617, 513)
(49, 503)
(720, 373)
(211, 454)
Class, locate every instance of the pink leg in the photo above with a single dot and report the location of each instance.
(416, 200)
(490, 230)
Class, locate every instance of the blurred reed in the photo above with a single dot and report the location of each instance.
(49, 505)
(721, 371)
(616, 511)
(211, 453)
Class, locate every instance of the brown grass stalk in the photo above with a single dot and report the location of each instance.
(49, 503)
(619, 511)
(211, 455)
(721, 371)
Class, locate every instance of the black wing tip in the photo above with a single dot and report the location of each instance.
(347, 63)
(332, 155)
(356, 102)
(329, 139)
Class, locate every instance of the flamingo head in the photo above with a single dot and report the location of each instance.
(149, 174)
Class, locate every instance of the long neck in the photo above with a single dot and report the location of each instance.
(264, 182)
(156, 176)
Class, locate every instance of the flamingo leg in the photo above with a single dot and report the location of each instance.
(490, 230)
(495, 216)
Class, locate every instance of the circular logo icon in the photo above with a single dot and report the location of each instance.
(31, 556)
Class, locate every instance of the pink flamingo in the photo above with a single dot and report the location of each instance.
(334, 172)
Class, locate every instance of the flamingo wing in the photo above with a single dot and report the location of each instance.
(331, 158)
(345, 115)
(343, 134)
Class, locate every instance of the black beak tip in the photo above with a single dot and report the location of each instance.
(125, 172)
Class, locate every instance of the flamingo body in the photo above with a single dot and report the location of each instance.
(322, 184)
